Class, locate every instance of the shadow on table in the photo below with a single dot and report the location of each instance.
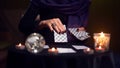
(117, 60)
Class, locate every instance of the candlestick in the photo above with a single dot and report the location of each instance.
(53, 50)
(20, 46)
(88, 51)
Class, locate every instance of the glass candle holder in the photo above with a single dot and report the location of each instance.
(101, 41)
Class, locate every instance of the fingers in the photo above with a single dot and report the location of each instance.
(53, 24)
(50, 26)
(55, 27)
(46, 23)
(81, 29)
(60, 28)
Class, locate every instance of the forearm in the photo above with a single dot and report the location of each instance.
(28, 23)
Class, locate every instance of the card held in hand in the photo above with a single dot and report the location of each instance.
(60, 38)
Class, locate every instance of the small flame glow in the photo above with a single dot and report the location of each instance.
(102, 34)
(53, 49)
(20, 44)
(100, 47)
(88, 49)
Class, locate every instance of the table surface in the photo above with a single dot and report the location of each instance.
(23, 57)
(45, 52)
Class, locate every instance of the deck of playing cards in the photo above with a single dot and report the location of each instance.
(81, 35)
(60, 38)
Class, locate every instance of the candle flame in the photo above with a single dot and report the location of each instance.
(53, 49)
(19, 44)
(100, 47)
(88, 49)
(102, 34)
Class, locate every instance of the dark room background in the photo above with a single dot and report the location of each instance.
(103, 16)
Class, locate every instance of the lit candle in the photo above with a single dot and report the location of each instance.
(101, 41)
(88, 51)
(20, 46)
(99, 49)
(53, 50)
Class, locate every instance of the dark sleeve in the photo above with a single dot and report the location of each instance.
(27, 23)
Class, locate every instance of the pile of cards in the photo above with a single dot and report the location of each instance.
(81, 35)
(62, 38)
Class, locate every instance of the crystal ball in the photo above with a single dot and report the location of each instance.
(35, 43)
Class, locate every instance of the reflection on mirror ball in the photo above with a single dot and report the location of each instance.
(35, 43)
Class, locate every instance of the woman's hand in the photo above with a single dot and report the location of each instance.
(81, 29)
(53, 24)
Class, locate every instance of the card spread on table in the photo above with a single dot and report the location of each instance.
(66, 50)
(60, 37)
(81, 35)
(78, 47)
